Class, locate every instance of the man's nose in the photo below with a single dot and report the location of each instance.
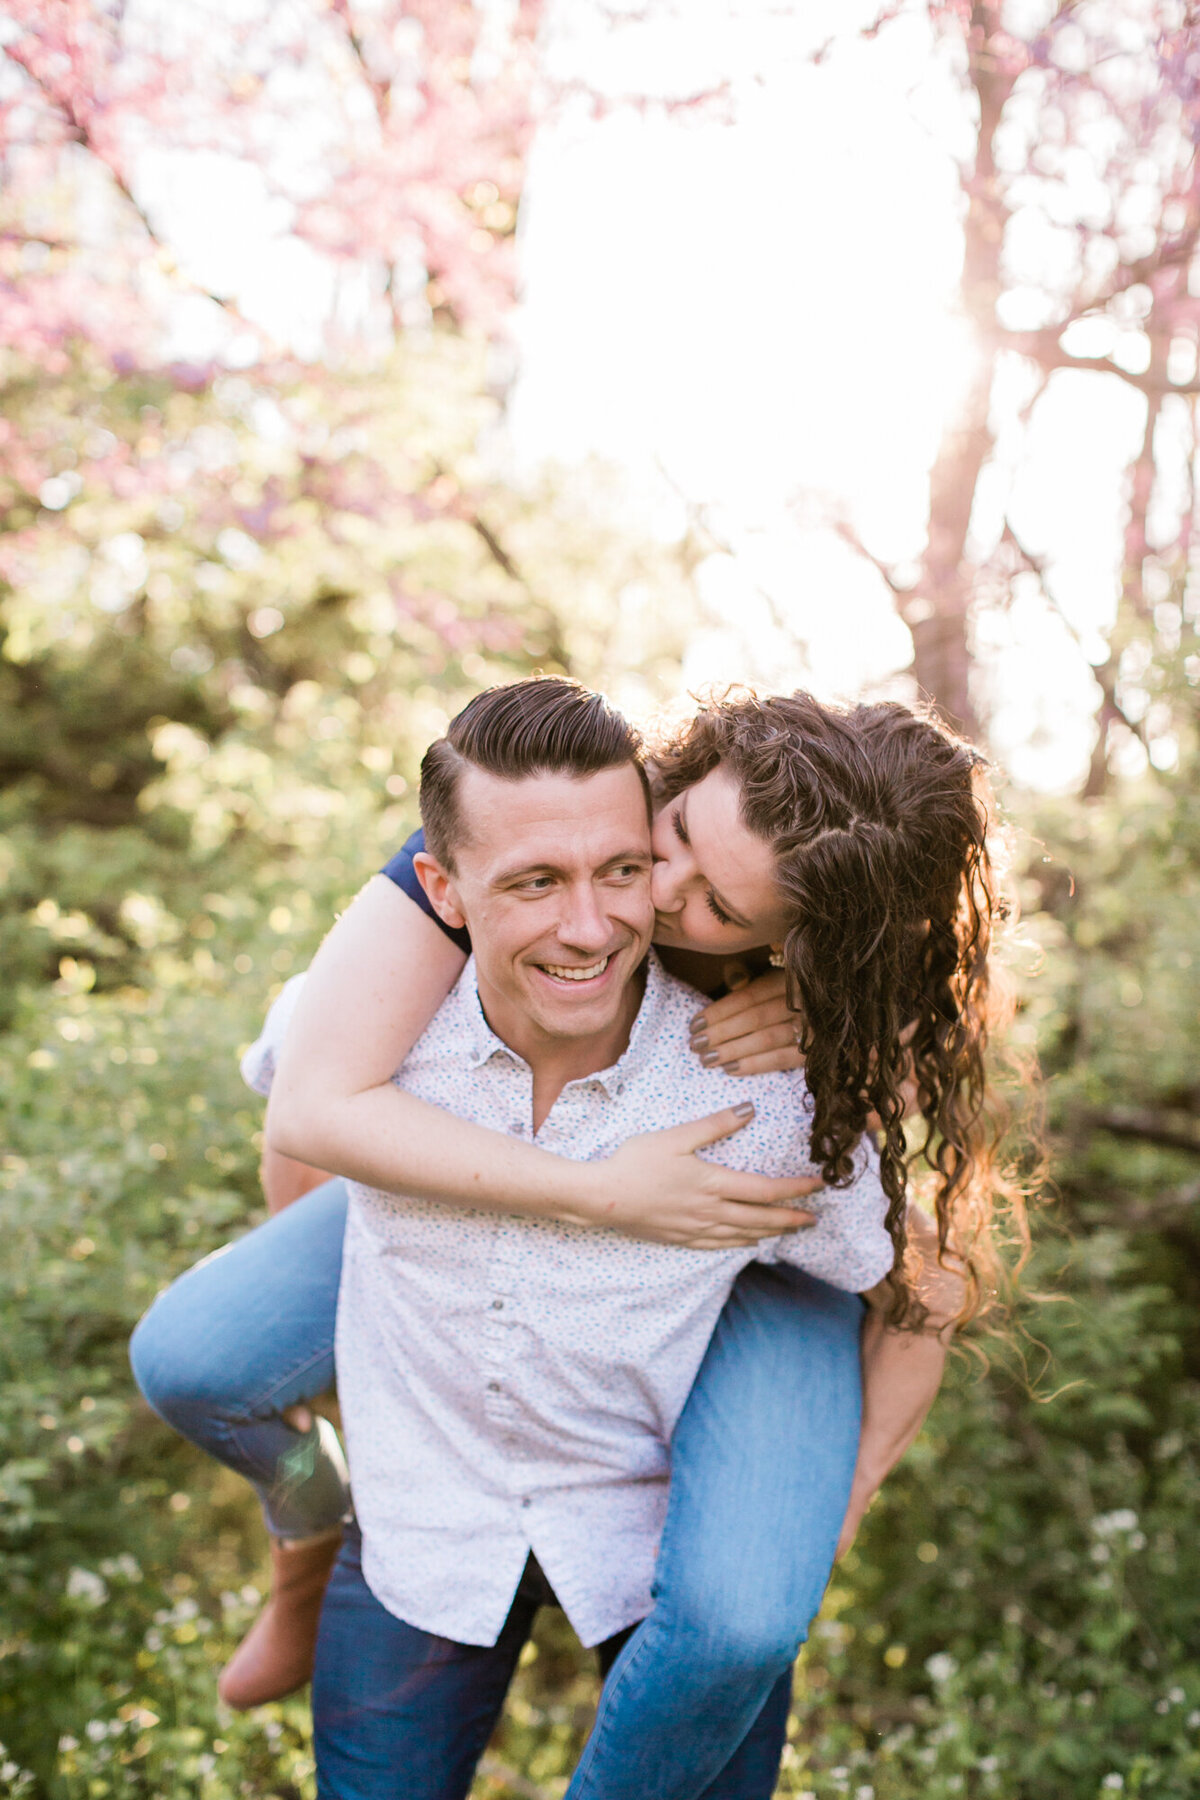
(583, 923)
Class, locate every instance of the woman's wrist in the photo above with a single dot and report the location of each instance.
(581, 1196)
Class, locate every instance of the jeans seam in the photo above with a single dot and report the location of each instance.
(637, 1653)
(263, 1401)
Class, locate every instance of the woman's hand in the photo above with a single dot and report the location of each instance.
(752, 1031)
(655, 1187)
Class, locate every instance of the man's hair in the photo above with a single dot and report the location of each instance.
(545, 726)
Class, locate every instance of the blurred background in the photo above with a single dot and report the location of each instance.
(358, 353)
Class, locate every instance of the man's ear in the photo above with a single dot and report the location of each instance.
(440, 890)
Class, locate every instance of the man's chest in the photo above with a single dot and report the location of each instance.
(591, 1118)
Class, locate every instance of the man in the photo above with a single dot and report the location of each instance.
(509, 1385)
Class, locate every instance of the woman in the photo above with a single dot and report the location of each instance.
(855, 840)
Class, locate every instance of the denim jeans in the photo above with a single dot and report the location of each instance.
(399, 1714)
(762, 1460)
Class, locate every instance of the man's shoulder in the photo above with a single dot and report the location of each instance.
(783, 1105)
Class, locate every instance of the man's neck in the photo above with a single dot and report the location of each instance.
(555, 1061)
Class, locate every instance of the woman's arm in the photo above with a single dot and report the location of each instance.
(285, 1180)
(902, 1372)
(374, 985)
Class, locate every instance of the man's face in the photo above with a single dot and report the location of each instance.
(553, 882)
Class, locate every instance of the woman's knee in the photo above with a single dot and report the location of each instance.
(177, 1367)
(723, 1642)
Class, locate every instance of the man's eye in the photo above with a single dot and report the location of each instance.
(537, 884)
(718, 912)
(627, 871)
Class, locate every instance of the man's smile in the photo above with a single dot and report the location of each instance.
(576, 972)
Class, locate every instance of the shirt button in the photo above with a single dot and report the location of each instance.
(516, 1129)
(497, 1306)
(525, 1503)
(493, 1387)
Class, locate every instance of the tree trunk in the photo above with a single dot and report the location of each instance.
(938, 613)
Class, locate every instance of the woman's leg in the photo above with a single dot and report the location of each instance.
(246, 1333)
(761, 1466)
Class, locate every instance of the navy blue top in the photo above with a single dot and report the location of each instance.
(401, 871)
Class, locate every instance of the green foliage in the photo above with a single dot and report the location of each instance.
(1018, 1615)
(184, 805)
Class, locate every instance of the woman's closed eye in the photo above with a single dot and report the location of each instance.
(710, 899)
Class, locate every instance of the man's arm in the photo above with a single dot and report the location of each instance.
(902, 1372)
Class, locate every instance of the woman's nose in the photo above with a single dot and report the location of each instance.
(667, 885)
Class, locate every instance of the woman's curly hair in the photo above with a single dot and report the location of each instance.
(879, 818)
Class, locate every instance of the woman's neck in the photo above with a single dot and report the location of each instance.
(708, 973)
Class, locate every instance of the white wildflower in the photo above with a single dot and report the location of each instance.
(940, 1667)
(1113, 1781)
(85, 1584)
(1109, 1524)
(96, 1730)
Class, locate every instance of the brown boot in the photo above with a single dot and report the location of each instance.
(276, 1655)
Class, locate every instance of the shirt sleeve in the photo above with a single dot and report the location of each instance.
(260, 1060)
(849, 1246)
(403, 873)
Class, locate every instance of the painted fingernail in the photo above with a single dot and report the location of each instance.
(710, 1057)
(697, 1023)
(731, 1068)
(744, 1109)
(699, 1041)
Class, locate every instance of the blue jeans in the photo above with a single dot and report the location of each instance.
(399, 1714)
(762, 1460)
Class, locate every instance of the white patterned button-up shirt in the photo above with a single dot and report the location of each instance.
(510, 1384)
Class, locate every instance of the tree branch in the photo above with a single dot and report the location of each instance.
(80, 133)
(849, 536)
(1043, 348)
(1149, 1125)
(1104, 673)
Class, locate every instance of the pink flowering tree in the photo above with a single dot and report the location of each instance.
(1080, 211)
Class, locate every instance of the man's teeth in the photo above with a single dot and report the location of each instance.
(589, 973)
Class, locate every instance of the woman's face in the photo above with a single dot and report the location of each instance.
(713, 883)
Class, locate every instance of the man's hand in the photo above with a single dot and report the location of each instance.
(655, 1187)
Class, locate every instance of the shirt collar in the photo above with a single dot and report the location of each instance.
(484, 1044)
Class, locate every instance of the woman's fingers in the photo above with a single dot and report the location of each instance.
(767, 1062)
(774, 1015)
(746, 1189)
(752, 1043)
(752, 993)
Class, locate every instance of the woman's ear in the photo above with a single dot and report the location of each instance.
(440, 889)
